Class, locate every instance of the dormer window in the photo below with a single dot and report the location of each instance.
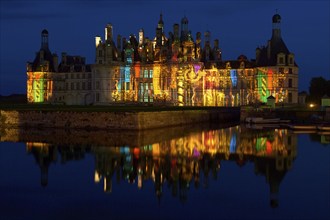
(228, 65)
(281, 59)
(242, 65)
(291, 59)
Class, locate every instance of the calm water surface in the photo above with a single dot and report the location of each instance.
(179, 173)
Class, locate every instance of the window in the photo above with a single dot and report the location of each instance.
(281, 70)
(291, 60)
(97, 97)
(97, 85)
(66, 76)
(280, 83)
(100, 53)
(66, 86)
(89, 75)
(281, 60)
(78, 75)
(83, 76)
(100, 61)
(72, 86)
(151, 74)
(78, 86)
(290, 97)
(145, 74)
(290, 70)
(290, 83)
(83, 85)
(89, 86)
(72, 77)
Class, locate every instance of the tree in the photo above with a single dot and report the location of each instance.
(318, 87)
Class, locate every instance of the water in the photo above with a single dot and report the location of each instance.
(178, 173)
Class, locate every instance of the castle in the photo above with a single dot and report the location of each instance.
(170, 70)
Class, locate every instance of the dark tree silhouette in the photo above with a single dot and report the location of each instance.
(318, 87)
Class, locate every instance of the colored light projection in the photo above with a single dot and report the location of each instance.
(38, 89)
(263, 89)
(233, 77)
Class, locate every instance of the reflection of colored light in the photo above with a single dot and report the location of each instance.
(196, 153)
(232, 146)
(124, 150)
(269, 147)
(260, 144)
(136, 152)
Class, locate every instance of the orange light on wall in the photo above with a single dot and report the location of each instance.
(270, 79)
(137, 69)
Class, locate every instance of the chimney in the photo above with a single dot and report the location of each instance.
(258, 51)
(119, 42)
(64, 58)
(55, 62)
(97, 41)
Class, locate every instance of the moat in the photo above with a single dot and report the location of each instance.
(206, 172)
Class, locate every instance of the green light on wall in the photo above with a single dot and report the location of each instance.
(262, 86)
(38, 90)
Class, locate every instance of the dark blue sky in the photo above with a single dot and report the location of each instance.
(240, 26)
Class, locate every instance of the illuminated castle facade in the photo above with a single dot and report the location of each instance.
(170, 70)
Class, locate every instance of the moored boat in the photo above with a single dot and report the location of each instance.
(323, 128)
(302, 127)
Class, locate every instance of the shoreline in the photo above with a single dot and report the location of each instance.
(116, 120)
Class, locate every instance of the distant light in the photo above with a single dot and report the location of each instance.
(311, 105)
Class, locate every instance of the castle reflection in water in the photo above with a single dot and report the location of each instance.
(183, 161)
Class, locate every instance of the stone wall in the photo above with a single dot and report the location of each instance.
(115, 120)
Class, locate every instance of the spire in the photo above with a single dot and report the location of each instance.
(44, 39)
(161, 22)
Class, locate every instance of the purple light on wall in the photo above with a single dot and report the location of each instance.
(197, 68)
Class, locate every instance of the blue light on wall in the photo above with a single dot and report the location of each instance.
(127, 74)
(233, 77)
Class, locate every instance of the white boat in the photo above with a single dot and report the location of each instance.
(323, 128)
(303, 127)
(260, 120)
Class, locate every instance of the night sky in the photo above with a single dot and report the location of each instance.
(241, 26)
